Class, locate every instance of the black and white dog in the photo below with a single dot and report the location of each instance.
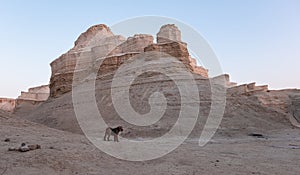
(113, 131)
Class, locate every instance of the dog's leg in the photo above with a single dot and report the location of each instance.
(108, 136)
(115, 137)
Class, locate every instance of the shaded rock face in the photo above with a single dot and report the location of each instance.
(296, 107)
(99, 43)
(175, 49)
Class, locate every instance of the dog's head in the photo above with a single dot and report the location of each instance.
(120, 128)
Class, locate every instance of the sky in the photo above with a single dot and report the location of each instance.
(255, 41)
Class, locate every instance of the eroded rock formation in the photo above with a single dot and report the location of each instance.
(245, 103)
(40, 93)
(96, 42)
(99, 43)
(246, 88)
(35, 95)
(169, 33)
(7, 104)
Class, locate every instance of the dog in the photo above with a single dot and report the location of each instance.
(113, 131)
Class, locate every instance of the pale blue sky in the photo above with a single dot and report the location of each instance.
(257, 40)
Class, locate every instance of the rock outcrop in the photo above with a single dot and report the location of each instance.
(168, 33)
(35, 95)
(174, 49)
(248, 107)
(246, 88)
(296, 107)
(96, 42)
(92, 37)
(99, 43)
(135, 44)
(7, 104)
(40, 93)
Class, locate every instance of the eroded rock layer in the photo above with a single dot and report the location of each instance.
(98, 42)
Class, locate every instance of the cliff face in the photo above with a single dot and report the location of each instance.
(92, 44)
(249, 107)
(99, 42)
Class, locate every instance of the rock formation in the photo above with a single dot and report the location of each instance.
(296, 107)
(40, 93)
(246, 88)
(251, 110)
(168, 33)
(7, 104)
(248, 107)
(98, 42)
(35, 95)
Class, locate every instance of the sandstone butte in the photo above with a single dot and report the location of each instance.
(99, 43)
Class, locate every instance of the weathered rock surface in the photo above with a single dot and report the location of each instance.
(246, 88)
(135, 44)
(255, 104)
(168, 33)
(96, 42)
(99, 42)
(40, 93)
(198, 69)
(35, 95)
(296, 107)
(7, 104)
(92, 37)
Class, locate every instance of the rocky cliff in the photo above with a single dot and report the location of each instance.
(99, 42)
(249, 107)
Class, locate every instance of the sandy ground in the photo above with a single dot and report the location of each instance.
(67, 153)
